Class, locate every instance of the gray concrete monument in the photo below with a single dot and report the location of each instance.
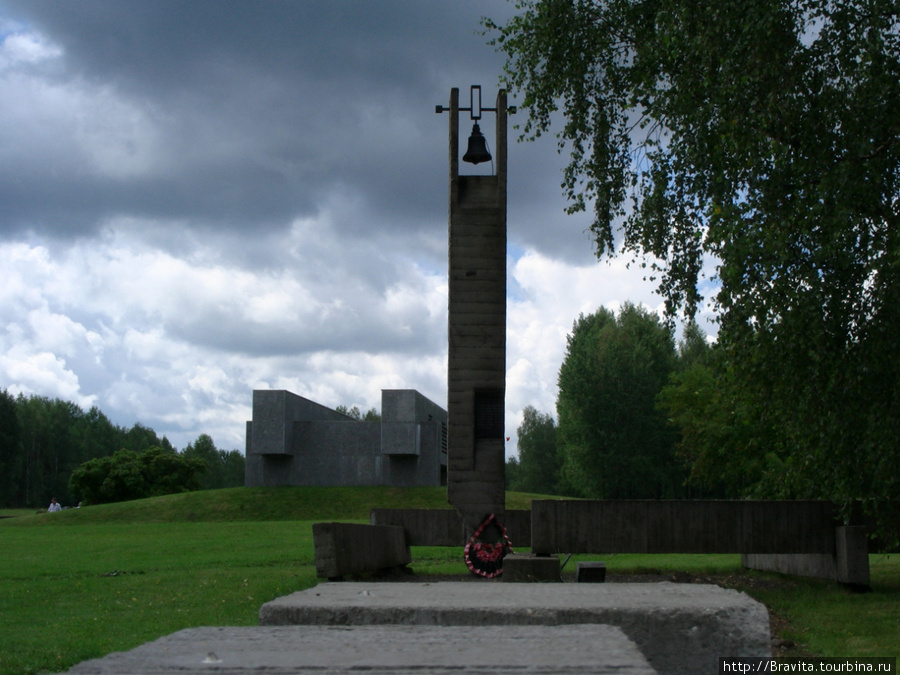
(294, 441)
(476, 374)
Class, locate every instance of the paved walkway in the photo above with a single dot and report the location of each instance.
(401, 650)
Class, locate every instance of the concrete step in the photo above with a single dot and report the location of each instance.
(679, 628)
(398, 650)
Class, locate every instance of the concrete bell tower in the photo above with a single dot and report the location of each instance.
(476, 377)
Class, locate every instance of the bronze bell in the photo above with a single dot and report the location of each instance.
(477, 151)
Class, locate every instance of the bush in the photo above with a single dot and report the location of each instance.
(130, 475)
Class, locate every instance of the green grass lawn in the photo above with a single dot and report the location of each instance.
(14, 513)
(82, 583)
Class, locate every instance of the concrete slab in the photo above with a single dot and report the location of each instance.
(399, 650)
(680, 628)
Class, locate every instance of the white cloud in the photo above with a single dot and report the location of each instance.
(20, 46)
(44, 372)
(165, 339)
(162, 337)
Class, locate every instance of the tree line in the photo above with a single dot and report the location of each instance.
(45, 442)
(614, 438)
(639, 417)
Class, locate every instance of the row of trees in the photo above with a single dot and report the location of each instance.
(640, 419)
(613, 440)
(759, 138)
(43, 441)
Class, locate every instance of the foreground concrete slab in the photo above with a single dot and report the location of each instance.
(399, 650)
(680, 628)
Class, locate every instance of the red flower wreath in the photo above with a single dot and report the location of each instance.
(485, 558)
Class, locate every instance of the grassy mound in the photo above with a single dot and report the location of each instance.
(260, 504)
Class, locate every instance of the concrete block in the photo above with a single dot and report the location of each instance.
(680, 628)
(529, 568)
(590, 572)
(852, 555)
(349, 548)
(399, 650)
(400, 438)
(476, 336)
(274, 414)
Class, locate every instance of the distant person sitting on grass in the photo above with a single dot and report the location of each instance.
(54, 506)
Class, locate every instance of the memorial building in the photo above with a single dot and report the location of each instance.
(294, 441)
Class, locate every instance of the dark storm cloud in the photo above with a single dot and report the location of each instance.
(161, 45)
(260, 109)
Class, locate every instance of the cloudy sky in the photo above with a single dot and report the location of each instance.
(199, 199)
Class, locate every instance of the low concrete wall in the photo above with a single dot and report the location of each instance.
(349, 548)
(849, 564)
(423, 527)
(682, 526)
(791, 537)
(444, 527)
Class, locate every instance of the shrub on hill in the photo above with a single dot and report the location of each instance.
(130, 475)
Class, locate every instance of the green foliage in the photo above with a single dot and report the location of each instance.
(719, 433)
(761, 135)
(730, 125)
(10, 459)
(693, 347)
(612, 439)
(223, 468)
(55, 436)
(538, 465)
(128, 475)
(511, 471)
(233, 465)
(42, 441)
(371, 415)
(140, 437)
